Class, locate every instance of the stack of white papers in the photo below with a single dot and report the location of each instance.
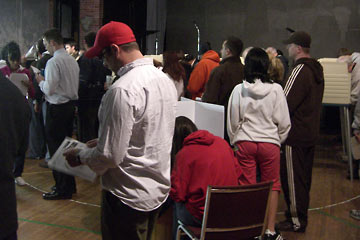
(59, 163)
(17, 79)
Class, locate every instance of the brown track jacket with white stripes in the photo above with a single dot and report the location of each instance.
(304, 92)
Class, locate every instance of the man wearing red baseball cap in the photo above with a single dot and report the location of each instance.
(132, 153)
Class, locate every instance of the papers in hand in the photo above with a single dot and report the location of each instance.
(59, 163)
(17, 79)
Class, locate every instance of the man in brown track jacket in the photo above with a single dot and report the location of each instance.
(304, 91)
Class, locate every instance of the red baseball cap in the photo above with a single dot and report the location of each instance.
(111, 33)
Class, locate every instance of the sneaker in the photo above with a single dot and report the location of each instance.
(275, 236)
(20, 181)
(288, 226)
(355, 214)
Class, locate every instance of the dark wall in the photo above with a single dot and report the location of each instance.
(131, 12)
(23, 21)
(331, 23)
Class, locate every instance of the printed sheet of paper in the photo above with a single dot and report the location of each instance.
(17, 79)
(59, 163)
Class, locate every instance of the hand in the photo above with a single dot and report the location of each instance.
(92, 143)
(71, 157)
(39, 78)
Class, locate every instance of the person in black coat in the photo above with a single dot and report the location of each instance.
(14, 122)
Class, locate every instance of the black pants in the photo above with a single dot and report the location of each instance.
(59, 124)
(296, 172)
(88, 121)
(119, 221)
(13, 236)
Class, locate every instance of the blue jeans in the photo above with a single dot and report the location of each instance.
(182, 214)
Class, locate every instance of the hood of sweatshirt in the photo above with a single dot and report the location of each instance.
(211, 55)
(258, 89)
(201, 137)
(315, 66)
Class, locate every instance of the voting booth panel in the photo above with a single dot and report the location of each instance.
(337, 81)
(337, 92)
(206, 116)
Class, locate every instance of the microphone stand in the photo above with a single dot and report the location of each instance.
(198, 45)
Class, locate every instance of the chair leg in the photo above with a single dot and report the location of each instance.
(178, 234)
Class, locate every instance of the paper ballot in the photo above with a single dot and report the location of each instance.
(17, 79)
(59, 163)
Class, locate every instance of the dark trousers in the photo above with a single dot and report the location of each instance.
(88, 121)
(119, 221)
(59, 124)
(20, 158)
(13, 236)
(296, 172)
(37, 148)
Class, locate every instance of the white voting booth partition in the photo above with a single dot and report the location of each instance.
(337, 93)
(206, 116)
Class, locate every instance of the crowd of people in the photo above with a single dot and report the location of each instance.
(148, 158)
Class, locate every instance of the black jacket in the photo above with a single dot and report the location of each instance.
(304, 91)
(14, 121)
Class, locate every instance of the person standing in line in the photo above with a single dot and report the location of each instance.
(11, 54)
(14, 123)
(60, 87)
(226, 76)
(201, 73)
(91, 89)
(258, 122)
(304, 90)
(132, 153)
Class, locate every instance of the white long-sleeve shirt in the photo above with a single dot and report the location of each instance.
(137, 119)
(258, 112)
(61, 78)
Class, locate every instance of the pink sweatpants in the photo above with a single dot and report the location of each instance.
(266, 155)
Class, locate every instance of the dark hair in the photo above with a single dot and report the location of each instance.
(235, 45)
(189, 57)
(204, 47)
(55, 35)
(90, 39)
(257, 65)
(72, 43)
(11, 50)
(279, 52)
(172, 66)
(40, 46)
(344, 52)
(183, 128)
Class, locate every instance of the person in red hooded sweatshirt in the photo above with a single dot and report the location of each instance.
(202, 159)
(201, 73)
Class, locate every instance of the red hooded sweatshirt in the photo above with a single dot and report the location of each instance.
(204, 160)
(201, 73)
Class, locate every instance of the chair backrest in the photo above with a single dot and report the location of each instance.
(236, 212)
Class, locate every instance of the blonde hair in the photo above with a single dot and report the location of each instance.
(276, 69)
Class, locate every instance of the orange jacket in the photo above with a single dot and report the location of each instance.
(201, 73)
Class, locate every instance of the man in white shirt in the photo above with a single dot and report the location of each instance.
(60, 87)
(132, 154)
